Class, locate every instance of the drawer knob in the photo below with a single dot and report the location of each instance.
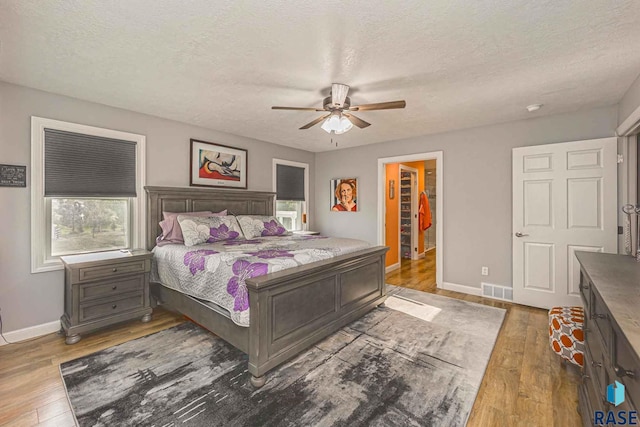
(598, 316)
(114, 269)
(114, 288)
(596, 364)
(114, 306)
(621, 372)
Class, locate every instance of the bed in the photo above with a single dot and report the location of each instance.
(291, 309)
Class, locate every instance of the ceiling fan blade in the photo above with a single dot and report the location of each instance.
(315, 122)
(298, 108)
(339, 94)
(356, 120)
(379, 106)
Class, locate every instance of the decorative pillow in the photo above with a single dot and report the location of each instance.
(171, 231)
(258, 226)
(197, 230)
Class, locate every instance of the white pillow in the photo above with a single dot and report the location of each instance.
(261, 225)
(197, 230)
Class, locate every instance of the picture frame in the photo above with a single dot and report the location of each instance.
(344, 195)
(13, 176)
(217, 165)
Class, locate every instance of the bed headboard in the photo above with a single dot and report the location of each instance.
(189, 199)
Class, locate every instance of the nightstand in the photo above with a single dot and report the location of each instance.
(104, 288)
(306, 232)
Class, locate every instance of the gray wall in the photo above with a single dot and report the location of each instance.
(629, 102)
(31, 299)
(477, 187)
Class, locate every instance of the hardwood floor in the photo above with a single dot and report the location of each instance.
(525, 383)
(31, 390)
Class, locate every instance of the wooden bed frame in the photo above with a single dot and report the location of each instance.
(290, 310)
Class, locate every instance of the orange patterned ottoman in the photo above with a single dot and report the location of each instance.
(565, 333)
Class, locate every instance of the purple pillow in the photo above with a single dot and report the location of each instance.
(171, 231)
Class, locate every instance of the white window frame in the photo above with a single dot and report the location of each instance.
(306, 205)
(41, 260)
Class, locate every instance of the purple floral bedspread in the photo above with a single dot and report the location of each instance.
(217, 271)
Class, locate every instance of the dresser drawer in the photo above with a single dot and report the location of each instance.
(595, 396)
(90, 291)
(596, 362)
(626, 369)
(599, 316)
(106, 309)
(584, 406)
(112, 270)
(627, 405)
(585, 292)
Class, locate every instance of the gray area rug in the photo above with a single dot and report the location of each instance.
(419, 361)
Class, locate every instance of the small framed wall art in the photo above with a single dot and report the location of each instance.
(215, 165)
(344, 195)
(13, 176)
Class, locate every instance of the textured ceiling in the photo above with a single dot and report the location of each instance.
(222, 65)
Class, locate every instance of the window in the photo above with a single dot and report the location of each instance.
(88, 225)
(86, 192)
(291, 184)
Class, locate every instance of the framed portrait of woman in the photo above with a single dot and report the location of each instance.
(344, 195)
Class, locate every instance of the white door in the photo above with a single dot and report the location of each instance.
(564, 200)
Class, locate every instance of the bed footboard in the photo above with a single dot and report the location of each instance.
(293, 309)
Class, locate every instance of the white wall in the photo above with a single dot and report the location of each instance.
(477, 186)
(32, 299)
(629, 102)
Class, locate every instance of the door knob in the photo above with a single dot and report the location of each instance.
(519, 234)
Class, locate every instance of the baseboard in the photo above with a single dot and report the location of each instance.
(471, 290)
(422, 255)
(392, 267)
(30, 332)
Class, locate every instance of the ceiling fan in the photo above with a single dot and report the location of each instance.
(338, 105)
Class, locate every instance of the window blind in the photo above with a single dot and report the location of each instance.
(78, 165)
(289, 183)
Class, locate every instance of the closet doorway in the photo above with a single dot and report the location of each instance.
(410, 213)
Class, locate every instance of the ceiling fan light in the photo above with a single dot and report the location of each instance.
(334, 122)
(325, 126)
(345, 124)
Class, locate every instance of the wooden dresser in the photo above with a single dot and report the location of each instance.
(610, 290)
(104, 288)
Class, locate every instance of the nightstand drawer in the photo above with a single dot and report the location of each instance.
(96, 311)
(105, 271)
(92, 291)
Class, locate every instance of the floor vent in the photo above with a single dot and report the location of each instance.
(496, 291)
